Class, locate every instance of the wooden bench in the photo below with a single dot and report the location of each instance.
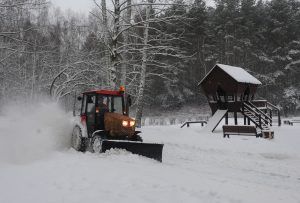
(291, 122)
(246, 130)
(191, 122)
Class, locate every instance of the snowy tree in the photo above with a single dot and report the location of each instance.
(44, 50)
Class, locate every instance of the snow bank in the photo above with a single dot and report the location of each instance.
(32, 131)
(197, 167)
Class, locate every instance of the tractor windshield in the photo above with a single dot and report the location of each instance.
(117, 105)
(113, 104)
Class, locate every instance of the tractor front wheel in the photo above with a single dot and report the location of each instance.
(97, 144)
(78, 142)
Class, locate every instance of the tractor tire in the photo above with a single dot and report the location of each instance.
(97, 144)
(78, 142)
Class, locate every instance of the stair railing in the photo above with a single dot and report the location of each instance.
(271, 107)
(277, 109)
(267, 117)
(254, 113)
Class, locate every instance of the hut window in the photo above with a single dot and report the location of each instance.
(230, 98)
(222, 98)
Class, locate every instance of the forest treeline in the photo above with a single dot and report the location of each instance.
(159, 50)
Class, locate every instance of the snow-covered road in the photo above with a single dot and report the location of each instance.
(196, 167)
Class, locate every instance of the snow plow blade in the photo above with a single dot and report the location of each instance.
(150, 150)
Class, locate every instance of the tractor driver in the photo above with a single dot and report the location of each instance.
(101, 109)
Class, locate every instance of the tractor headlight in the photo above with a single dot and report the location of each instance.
(125, 123)
(132, 123)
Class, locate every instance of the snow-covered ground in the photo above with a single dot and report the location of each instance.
(37, 165)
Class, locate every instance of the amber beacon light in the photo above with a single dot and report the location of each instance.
(122, 89)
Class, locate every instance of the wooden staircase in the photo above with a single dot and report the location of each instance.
(270, 109)
(258, 117)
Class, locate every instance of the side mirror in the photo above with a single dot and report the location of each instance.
(79, 98)
(129, 101)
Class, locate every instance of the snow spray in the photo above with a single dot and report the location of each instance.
(32, 131)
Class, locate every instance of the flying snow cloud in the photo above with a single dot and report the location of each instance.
(32, 131)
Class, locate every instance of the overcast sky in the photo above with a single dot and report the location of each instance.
(84, 6)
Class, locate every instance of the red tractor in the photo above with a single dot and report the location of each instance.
(104, 123)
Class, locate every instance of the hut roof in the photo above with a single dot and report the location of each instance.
(237, 73)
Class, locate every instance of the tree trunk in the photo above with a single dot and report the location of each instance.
(140, 97)
(115, 56)
(106, 40)
(126, 41)
(33, 77)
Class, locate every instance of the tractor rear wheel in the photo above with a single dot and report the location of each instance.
(97, 144)
(78, 142)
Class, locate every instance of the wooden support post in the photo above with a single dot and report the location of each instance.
(248, 121)
(266, 117)
(235, 118)
(226, 118)
(279, 119)
(271, 118)
(245, 120)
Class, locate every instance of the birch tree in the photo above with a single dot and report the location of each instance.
(106, 41)
(126, 36)
(119, 43)
(141, 87)
(16, 45)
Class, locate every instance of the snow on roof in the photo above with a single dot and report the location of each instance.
(237, 73)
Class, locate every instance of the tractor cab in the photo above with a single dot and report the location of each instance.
(107, 110)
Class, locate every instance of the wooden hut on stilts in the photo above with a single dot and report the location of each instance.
(231, 90)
